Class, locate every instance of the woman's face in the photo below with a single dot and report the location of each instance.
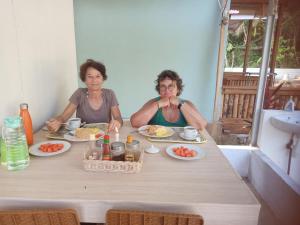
(93, 79)
(167, 88)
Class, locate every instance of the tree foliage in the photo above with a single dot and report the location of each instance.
(287, 55)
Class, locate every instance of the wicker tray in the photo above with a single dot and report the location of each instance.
(114, 166)
(131, 217)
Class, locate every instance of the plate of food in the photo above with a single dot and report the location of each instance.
(49, 148)
(156, 131)
(83, 134)
(185, 151)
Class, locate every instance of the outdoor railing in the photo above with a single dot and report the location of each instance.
(239, 95)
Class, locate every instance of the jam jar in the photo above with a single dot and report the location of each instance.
(118, 151)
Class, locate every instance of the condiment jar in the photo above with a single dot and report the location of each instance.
(94, 151)
(132, 148)
(118, 151)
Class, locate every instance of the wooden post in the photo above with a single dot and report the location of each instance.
(217, 114)
(248, 45)
(276, 39)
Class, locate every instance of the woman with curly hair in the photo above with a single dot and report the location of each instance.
(168, 109)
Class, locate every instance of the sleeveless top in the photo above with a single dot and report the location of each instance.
(159, 119)
(87, 113)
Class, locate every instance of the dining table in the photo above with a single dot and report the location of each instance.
(208, 186)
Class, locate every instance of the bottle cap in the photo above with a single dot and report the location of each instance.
(106, 137)
(23, 106)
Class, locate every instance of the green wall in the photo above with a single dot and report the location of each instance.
(137, 39)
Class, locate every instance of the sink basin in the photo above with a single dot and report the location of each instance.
(289, 123)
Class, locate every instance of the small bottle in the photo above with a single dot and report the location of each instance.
(95, 151)
(129, 153)
(27, 122)
(106, 149)
(290, 105)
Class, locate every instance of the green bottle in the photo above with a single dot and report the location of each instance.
(2, 152)
(17, 156)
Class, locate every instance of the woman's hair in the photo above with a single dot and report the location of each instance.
(94, 64)
(172, 76)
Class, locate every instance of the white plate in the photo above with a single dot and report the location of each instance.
(34, 149)
(71, 137)
(188, 139)
(143, 131)
(200, 152)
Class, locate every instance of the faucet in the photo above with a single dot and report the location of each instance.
(290, 105)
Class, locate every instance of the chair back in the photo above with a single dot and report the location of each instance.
(39, 217)
(131, 217)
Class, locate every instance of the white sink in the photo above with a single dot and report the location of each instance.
(289, 123)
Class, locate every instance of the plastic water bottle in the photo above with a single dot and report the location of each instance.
(2, 152)
(17, 156)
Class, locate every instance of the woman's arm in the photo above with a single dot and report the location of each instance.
(145, 114)
(55, 123)
(116, 121)
(192, 115)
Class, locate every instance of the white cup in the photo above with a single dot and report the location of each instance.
(190, 132)
(74, 123)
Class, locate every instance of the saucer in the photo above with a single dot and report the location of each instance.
(152, 149)
(186, 138)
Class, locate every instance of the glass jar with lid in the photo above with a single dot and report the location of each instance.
(118, 151)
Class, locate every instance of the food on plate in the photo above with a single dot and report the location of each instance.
(184, 152)
(85, 132)
(157, 130)
(48, 147)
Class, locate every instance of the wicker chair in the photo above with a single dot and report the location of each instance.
(131, 217)
(39, 217)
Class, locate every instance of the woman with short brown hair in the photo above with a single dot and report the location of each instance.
(168, 109)
(92, 104)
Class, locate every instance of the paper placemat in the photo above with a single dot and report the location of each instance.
(175, 138)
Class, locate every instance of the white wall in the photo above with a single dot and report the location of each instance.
(276, 188)
(272, 142)
(239, 157)
(37, 57)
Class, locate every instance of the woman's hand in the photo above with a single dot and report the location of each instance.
(174, 101)
(163, 102)
(53, 125)
(114, 126)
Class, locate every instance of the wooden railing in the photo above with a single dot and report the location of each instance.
(239, 95)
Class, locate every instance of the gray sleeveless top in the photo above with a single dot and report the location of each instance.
(87, 113)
